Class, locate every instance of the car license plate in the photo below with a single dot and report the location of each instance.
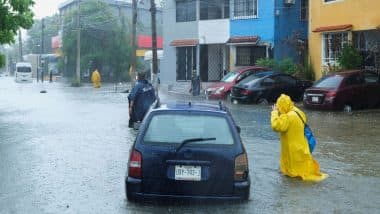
(315, 99)
(187, 173)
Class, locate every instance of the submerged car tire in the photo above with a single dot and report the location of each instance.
(347, 108)
(263, 101)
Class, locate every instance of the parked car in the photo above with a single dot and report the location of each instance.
(265, 87)
(222, 89)
(188, 151)
(344, 91)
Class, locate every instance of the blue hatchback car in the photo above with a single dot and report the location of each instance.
(188, 151)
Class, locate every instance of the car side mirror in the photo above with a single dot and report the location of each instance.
(238, 129)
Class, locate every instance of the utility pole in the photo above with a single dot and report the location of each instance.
(133, 57)
(20, 44)
(78, 46)
(154, 47)
(42, 48)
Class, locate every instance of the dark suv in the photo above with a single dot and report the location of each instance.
(188, 151)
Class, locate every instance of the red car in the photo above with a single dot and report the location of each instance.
(222, 89)
(344, 91)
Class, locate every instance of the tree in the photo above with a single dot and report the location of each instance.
(13, 15)
(104, 42)
(51, 29)
(350, 58)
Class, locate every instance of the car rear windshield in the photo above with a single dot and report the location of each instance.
(253, 78)
(329, 82)
(24, 69)
(230, 76)
(175, 128)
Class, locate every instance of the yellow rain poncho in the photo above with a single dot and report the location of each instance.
(95, 79)
(295, 160)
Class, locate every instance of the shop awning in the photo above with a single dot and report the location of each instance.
(243, 40)
(184, 42)
(333, 28)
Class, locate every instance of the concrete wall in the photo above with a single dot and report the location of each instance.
(288, 21)
(363, 15)
(262, 26)
(173, 30)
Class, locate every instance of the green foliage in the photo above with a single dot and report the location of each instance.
(104, 40)
(306, 71)
(13, 15)
(350, 58)
(266, 62)
(2, 60)
(285, 65)
(51, 29)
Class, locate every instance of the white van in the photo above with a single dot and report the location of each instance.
(23, 72)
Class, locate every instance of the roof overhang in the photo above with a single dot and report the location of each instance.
(333, 28)
(243, 40)
(184, 42)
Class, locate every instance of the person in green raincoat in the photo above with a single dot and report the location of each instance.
(95, 78)
(295, 157)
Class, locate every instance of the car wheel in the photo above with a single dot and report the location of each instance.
(228, 95)
(347, 108)
(263, 101)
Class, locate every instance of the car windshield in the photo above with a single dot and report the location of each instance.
(175, 128)
(253, 78)
(329, 82)
(24, 69)
(230, 76)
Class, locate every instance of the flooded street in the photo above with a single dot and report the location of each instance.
(66, 151)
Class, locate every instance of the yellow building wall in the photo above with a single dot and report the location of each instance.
(362, 14)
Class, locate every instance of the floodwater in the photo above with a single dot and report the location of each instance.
(66, 151)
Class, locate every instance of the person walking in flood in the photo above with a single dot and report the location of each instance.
(295, 157)
(95, 78)
(140, 99)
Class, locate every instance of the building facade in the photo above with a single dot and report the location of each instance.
(212, 37)
(335, 23)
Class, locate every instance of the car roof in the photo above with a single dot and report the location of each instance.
(345, 73)
(245, 68)
(190, 106)
(267, 73)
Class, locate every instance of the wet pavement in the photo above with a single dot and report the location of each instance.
(66, 151)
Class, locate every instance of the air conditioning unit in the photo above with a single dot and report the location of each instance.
(289, 2)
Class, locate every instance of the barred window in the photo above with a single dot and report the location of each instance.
(304, 10)
(245, 8)
(333, 44)
(185, 10)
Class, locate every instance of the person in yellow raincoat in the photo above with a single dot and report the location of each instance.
(95, 78)
(296, 159)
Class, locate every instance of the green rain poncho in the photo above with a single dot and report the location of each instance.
(295, 160)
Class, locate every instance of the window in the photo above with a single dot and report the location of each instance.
(304, 10)
(245, 8)
(175, 128)
(333, 44)
(327, 1)
(185, 10)
(186, 62)
(247, 55)
(329, 82)
(214, 9)
(286, 80)
(370, 77)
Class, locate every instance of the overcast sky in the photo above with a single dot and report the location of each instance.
(43, 8)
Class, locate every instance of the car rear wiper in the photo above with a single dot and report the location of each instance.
(184, 142)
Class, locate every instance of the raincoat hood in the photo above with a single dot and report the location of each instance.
(284, 104)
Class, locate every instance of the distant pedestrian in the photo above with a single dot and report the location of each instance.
(51, 76)
(140, 99)
(96, 79)
(195, 87)
(295, 157)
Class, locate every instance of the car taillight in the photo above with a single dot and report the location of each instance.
(135, 164)
(331, 94)
(246, 92)
(241, 167)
